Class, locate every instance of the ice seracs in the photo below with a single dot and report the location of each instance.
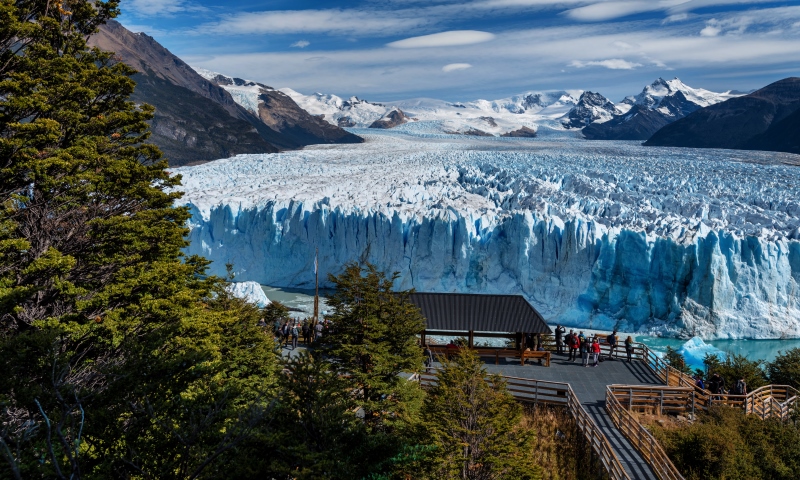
(250, 292)
(655, 240)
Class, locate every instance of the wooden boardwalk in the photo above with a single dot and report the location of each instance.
(589, 384)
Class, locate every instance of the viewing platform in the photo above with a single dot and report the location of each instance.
(589, 384)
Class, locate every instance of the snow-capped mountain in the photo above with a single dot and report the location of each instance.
(653, 95)
(591, 108)
(290, 126)
(659, 104)
(481, 117)
(353, 112)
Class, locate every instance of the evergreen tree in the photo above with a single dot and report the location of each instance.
(373, 339)
(318, 433)
(676, 360)
(785, 369)
(477, 425)
(119, 356)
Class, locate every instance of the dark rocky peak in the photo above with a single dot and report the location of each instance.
(390, 120)
(534, 100)
(523, 132)
(591, 107)
(353, 101)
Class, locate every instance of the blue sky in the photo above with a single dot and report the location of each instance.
(385, 50)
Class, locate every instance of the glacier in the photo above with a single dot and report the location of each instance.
(250, 292)
(601, 235)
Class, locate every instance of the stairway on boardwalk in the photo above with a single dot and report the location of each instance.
(589, 384)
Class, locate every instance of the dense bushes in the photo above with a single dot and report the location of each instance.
(727, 444)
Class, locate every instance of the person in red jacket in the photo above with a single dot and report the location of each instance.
(595, 351)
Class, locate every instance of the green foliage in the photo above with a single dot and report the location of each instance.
(785, 369)
(477, 425)
(120, 357)
(727, 444)
(275, 312)
(676, 360)
(735, 366)
(316, 431)
(373, 339)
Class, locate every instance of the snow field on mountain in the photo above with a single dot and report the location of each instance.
(594, 234)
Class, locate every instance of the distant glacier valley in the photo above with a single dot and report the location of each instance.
(602, 235)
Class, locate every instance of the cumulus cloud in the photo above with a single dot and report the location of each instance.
(711, 30)
(301, 44)
(456, 66)
(611, 64)
(444, 39)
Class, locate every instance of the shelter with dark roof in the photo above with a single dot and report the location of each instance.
(478, 315)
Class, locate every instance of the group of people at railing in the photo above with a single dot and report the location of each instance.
(589, 348)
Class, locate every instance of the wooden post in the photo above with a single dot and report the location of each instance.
(423, 339)
(471, 338)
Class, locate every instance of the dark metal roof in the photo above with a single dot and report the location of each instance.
(479, 313)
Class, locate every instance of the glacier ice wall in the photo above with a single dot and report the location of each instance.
(585, 245)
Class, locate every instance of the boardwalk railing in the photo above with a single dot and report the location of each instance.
(770, 401)
(680, 395)
(641, 438)
(561, 394)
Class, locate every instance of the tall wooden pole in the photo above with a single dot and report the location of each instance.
(316, 287)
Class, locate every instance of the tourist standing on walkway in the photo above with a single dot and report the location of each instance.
(629, 348)
(318, 331)
(595, 351)
(276, 327)
(286, 332)
(612, 344)
(295, 335)
(306, 332)
(572, 345)
(560, 339)
(585, 352)
(740, 388)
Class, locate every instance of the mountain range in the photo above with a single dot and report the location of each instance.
(767, 119)
(197, 120)
(203, 115)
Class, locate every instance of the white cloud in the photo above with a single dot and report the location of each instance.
(444, 39)
(710, 31)
(601, 11)
(151, 8)
(611, 64)
(331, 21)
(546, 51)
(678, 17)
(301, 44)
(456, 66)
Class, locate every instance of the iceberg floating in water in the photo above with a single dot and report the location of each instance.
(250, 292)
(695, 350)
(598, 235)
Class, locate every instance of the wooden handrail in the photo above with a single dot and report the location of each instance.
(641, 438)
(558, 393)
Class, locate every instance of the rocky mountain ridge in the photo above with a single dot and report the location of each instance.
(767, 119)
(197, 120)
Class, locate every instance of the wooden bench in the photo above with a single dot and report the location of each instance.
(497, 353)
(531, 354)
